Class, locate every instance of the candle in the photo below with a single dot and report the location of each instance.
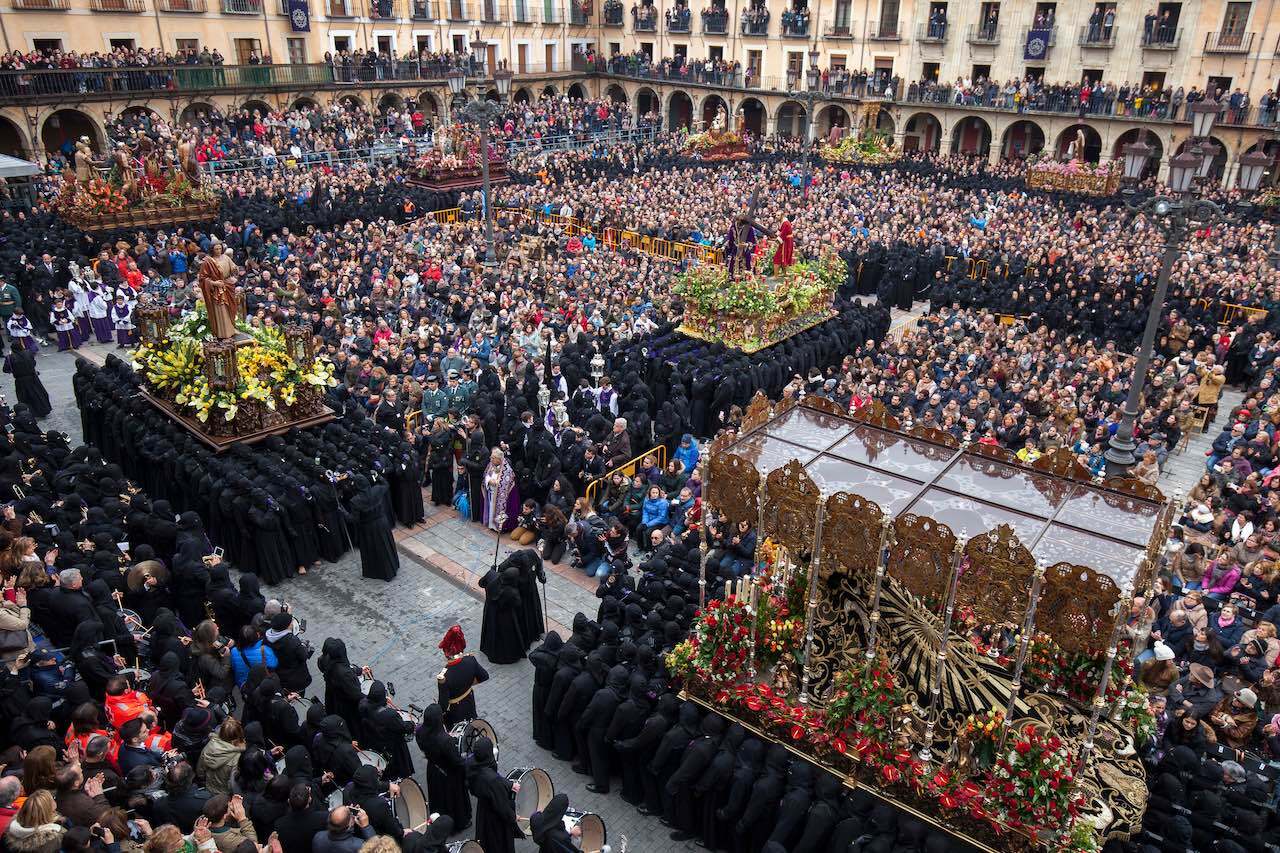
(726, 589)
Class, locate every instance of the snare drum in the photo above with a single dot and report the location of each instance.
(469, 846)
(132, 621)
(365, 684)
(412, 719)
(335, 799)
(465, 733)
(373, 759)
(300, 707)
(411, 806)
(137, 677)
(536, 791)
(592, 827)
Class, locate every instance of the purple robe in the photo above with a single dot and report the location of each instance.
(501, 505)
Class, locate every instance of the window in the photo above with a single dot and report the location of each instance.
(297, 49)
(755, 59)
(1034, 72)
(841, 20)
(189, 45)
(459, 44)
(988, 20)
(42, 45)
(1092, 76)
(1045, 15)
(888, 17)
(384, 44)
(929, 71)
(246, 49)
(936, 26)
(1234, 20)
(1218, 84)
(1101, 25)
(838, 60)
(341, 43)
(615, 48)
(980, 72)
(423, 43)
(795, 62)
(1153, 78)
(124, 44)
(646, 47)
(337, 9)
(715, 53)
(681, 50)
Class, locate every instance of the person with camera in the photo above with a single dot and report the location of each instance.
(228, 822)
(348, 829)
(292, 653)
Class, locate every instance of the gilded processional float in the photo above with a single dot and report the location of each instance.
(936, 623)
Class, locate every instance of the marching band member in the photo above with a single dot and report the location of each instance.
(457, 681)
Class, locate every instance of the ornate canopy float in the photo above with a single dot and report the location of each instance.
(937, 623)
(761, 295)
(143, 187)
(865, 145)
(223, 380)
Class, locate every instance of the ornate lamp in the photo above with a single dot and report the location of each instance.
(457, 81)
(1252, 167)
(153, 319)
(544, 397)
(298, 344)
(1209, 152)
(220, 365)
(1136, 157)
(1182, 171)
(597, 368)
(815, 77)
(1203, 115)
(502, 79)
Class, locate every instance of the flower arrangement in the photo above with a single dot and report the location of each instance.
(761, 306)
(1074, 674)
(865, 698)
(1135, 715)
(268, 376)
(721, 640)
(866, 147)
(1045, 172)
(1030, 783)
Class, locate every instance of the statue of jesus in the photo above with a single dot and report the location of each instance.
(720, 123)
(217, 279)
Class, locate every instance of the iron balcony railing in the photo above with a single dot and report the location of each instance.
(1162, 38)
(840, 29)
(191, 6)
(242, 7)
(1228, 41)
(932, 32)
(117, 5)
(983, 34)
(884, 31)
(715, 22)
(1097, 36)
(42, 5)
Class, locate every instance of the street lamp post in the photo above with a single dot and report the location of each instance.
(1174, 216)
(482, 113)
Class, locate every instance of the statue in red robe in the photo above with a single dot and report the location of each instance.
(785, 255)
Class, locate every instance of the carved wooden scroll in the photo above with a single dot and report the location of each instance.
(935, 435)
(876, 414)
(823, 404)
(1075, 607)
(850, 536)
(757, 414)
(791, 507)
(733, 485)
(921, 559)
(1061, 462)
(996, 452)
(1137, 488)
(996, 577)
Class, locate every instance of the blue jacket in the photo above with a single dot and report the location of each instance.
(687, 456)
(656, 511)
(243, 660)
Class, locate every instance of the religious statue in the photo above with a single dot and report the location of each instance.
(721, 122)
(785, 255)
(740, 242)
(217, 279)
(84, 161)
(187, 161)
(741, 122)
(1075, 149)
(122, 169)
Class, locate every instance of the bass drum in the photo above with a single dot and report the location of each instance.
(590, 825)
(411, 806)
(536, 791)
(466, 732)
(469, 846)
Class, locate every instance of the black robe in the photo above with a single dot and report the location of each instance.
(341, 685)
(529, 565)
(378, 556)
(501, 628)
(446, 771)
(270, 538)
(28, 388)
(383, 730)
(455, 687)
(496, 826)
(594, 722)
(686, 807)
(543, 659)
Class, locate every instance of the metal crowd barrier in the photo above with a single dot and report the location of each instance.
(628, 468)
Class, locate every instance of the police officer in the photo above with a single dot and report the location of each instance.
(435, 403)
(459, 399)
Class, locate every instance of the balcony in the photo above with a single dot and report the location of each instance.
(42, 5)
(383, 10)
(795, 25)
(646, 20)
(681, 22)
(1097, 36)
(422, 10)
(755, 23)
(884, 31)
(932, 33)
(579, 15)
(457, 10)
(1053, 37)
(715, 22)
(190, 6)
(521, 14)
(840, 29)
(242, 7)
(1162, 38)
(491, 12)
(117, 5)
(1227, 41)
(983, 34)
(614, 14)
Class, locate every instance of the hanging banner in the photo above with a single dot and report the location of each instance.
(299, 16)
(1037, 44)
